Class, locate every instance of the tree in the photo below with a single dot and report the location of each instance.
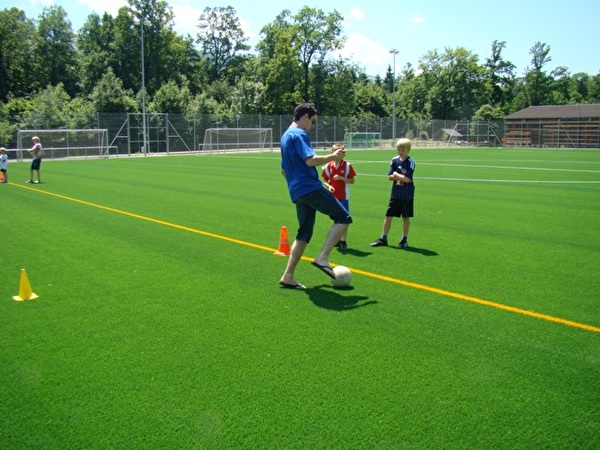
(279, 65)
(16, 54)
(500, 75)
(454, 82)
(561, 86)
(155, 20)
(47, 109)
(171, 98)
(110, 96)
(221, 37)
(388, 80)
(594, 90)
(537, 83)
(56, 58)
(314, 35)
(94, 41)
(337, 88)
(371, 99)
(412, 95)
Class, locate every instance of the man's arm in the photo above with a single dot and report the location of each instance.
(318, 160)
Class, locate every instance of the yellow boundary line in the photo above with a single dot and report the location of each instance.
(357, 271)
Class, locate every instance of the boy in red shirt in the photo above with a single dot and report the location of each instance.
(337, 176)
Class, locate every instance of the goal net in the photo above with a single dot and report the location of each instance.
(237, 139)
(362, 140)
(73, 143)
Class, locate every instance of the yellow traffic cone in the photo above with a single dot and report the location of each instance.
(25, 292)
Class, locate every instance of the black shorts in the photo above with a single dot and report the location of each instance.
(400, 208)
(35, 164)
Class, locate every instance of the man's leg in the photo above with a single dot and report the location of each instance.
(296, 253)
(336, 231)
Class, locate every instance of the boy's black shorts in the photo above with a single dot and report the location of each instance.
(400, 208)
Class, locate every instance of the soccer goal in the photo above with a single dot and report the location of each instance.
(237, 139)
(61, 144)
(362, 140)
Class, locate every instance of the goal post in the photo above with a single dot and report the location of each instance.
(67, 143)
(362, 140)
(237, 139)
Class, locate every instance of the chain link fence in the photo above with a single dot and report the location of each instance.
(129, 134)
(177, 133)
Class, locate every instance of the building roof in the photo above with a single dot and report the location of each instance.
(557, 112)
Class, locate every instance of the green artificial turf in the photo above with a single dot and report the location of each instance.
(160, 323)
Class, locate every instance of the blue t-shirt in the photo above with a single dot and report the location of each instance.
(403, 191)
(295, 150)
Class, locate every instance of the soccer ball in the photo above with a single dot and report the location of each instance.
(343, 277)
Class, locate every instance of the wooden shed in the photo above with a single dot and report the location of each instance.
(559, 126)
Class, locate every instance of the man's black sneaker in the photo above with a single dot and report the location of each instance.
(379, 243)
(343, 246)
(403, 243)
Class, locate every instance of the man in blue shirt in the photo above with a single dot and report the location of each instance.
(299, 164)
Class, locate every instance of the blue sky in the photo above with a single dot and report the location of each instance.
(372, 28)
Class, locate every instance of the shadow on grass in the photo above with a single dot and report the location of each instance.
(354, 252)
(422, 251)
(336, 299)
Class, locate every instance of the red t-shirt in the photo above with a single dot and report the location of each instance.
(345, 169)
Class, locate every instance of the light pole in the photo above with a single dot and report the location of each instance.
(145, 142)
(394, 52)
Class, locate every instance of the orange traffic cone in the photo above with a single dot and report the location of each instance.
(284, 244)
(25, 292)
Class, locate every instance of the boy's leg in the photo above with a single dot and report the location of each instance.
(387, 224)
(382, 241)
(405, 226)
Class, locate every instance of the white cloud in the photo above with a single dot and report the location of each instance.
(357, 14)
(373, 56)
(417, 18)
(110, 6)
(186, 18)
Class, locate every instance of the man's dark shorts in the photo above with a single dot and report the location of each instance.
(35, 164)
(400, 208)
(323, 201)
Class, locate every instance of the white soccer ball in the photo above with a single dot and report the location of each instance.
(343, 277)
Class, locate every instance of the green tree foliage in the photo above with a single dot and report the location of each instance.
(337, 93)
(537, 82)
(94, 44)
(56, 57)
(153, 18)
(171, 98)
(247, 97)
(16, 54)
(280, 65)
(314, 35)
(500, 75)
(109, 95)
(221, 37)
(454, 82)
(47, 109)
(371, 99)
